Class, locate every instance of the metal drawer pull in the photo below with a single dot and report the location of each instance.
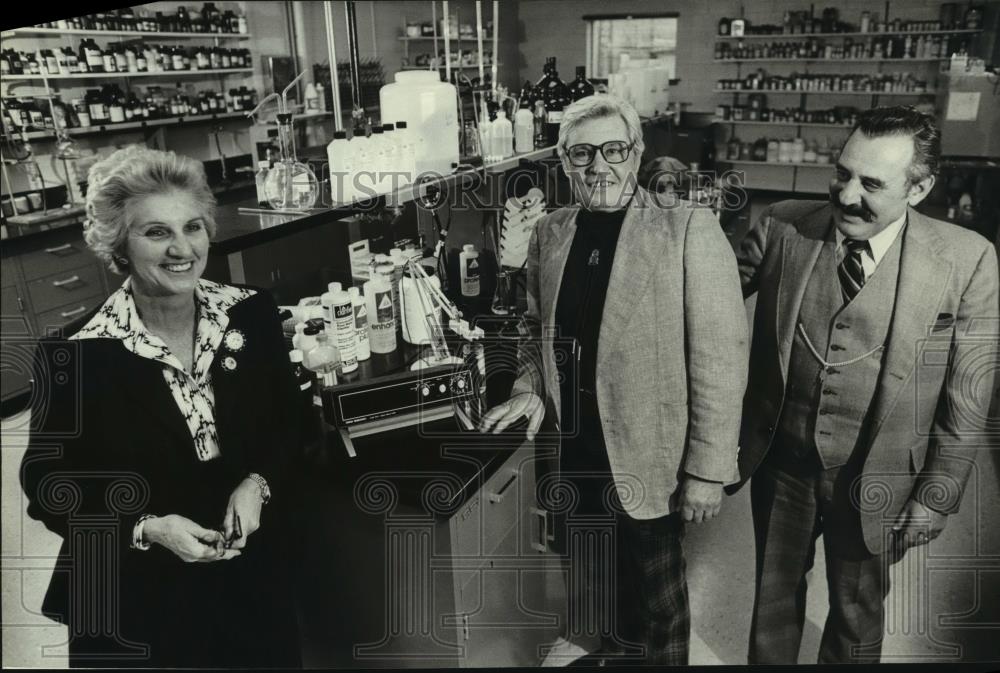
(498, 496)
(59, 248)
(541, 543)
(70, 314)
(68, 281)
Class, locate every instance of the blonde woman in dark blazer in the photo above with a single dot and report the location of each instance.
(161, 428)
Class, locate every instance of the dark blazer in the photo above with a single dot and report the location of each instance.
(108, 444)
(930, 409)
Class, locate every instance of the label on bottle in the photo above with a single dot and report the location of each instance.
(383, 306)
(343, 316)
(117, 114)
(555, 116)
(361, 328)
(470, 279)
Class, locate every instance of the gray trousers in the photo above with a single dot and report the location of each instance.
(792, 506)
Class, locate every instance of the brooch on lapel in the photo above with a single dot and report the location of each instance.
(234, 340)
(229, 363)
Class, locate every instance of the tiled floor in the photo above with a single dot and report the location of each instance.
(954, 580)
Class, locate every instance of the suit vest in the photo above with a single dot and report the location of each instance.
(825, 411)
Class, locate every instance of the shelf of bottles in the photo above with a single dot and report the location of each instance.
(103, 75)
(825, 125)
(454, 66)
(440, 38)
(852, 34)
(790, 164)
(111, 110)
(829, 60)
(830, 92)
(34, 32)
(132, 59)
(136, 125)
(208, 22)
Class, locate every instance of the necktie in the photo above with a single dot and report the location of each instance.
(851, 271)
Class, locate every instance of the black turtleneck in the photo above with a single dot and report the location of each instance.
(583, 291)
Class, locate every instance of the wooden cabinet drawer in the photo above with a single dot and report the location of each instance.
(58, 318)
(65, 287)
(65, 250)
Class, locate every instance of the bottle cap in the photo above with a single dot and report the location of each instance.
(295, 355)
(340, 135)
(468, 247)
(388, 127)
(376, 129)
(313, 330)
(334, 287)
(262, 165)
(354, 292)
(401, 125)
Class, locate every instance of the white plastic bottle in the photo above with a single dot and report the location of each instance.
(300, 328)
(321, 96)
(312, 100)
(360, 323)
(336, 156)
(486, 137)
(323, 359)
(524, 129)
(503, 136)
(343, 323)
(381, 321)
(326, 301)
(468, 261)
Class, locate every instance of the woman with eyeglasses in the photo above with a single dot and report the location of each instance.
(644, 361)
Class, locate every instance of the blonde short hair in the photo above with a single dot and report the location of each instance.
(597, 106)
(132, 173)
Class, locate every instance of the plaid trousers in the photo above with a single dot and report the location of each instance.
(626, 579)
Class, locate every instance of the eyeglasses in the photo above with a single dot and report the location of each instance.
(613, 151)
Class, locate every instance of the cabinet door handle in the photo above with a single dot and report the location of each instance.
(540, 544)
(70, 314)
(59, 248)
(66, 281)
(498, 496)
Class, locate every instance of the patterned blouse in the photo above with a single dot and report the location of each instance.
(119, 319)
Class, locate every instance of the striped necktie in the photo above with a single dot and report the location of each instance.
(851, 271)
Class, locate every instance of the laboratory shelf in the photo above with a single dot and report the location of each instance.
(103, 75)
(54, 32)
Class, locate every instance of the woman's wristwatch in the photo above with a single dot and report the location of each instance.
(265, 490)
(137, 530)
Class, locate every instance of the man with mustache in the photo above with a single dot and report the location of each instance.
(873, 357)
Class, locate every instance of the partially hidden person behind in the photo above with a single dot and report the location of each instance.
(161, 430)
(870, 378)
(639, 340)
